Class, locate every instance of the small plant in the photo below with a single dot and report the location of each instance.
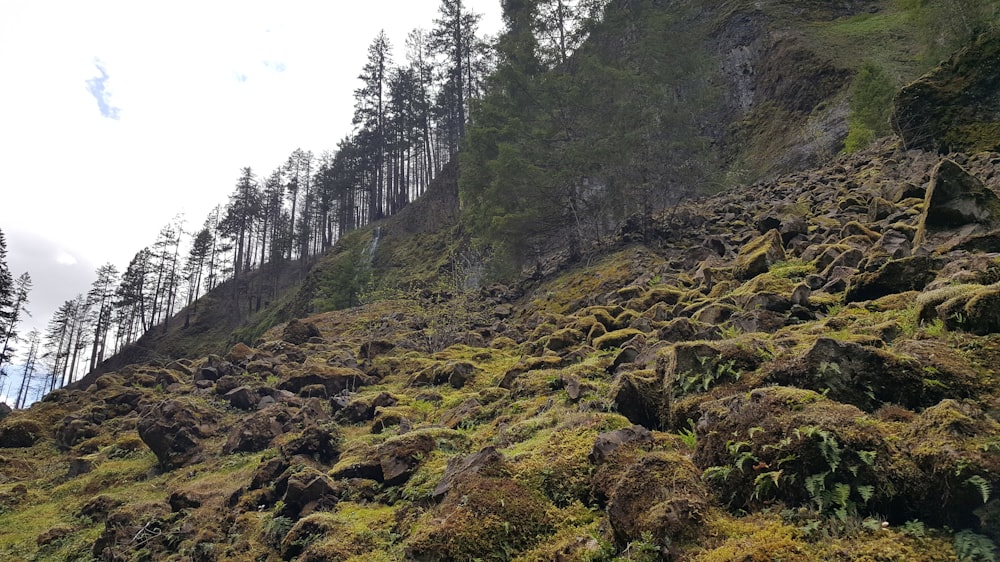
(688, 435)
(974, 547)
(981, 484)
(913, 528)
(276, 527)
(689, 382)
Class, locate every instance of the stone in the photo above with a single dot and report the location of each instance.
(954, 108)
(5, 410)
(318, 442)
(297, 332)
(309, 490)
(956, 199)
(240, 354)
(661, 494)
(608, 442)
(861, 374)
(400, 457)
(19, 433)
(225, 384)
(895, 276)
(759, 255)
(335, 379)
(242, 397)
(487, 461)
(895, 244)
(74, 429)
(184, 499)
(639, 396)
(173, 430)
(253, 433)
(457, 373)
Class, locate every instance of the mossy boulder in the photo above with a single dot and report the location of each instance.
(954, 107)
(798, 447)
(956, 200)
(334, 379)
(895, 276)
(859, 373)
(640, 397)
(660, 495)
(616, 338)
(484, 518)
(19, 431)
(758, 255)
(174, 428)
(297, 332)
(973, 308)
(954, 444)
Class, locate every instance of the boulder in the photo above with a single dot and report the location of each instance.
(759, 255)
(253, 433)
(321, 443)
(335, 379)
(895, 276)
(5, 410)
(73, 429)
(661, 495)
(297, 332)
(19, 432)
(309, 490)
(608, 442)
(957, 201)
(400, 457)
(861, 374)
(639, 396)
(487, 462)
(954, 108)
(173, 430)
(242, 397)
(241, 354)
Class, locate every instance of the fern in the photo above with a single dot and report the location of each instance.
(866, 492)
(973, 547)
(981, 484)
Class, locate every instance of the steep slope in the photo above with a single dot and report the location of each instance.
(801, 369)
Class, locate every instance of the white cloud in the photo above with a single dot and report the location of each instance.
(204, 89)
(64, 258)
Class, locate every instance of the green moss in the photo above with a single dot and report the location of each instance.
(615, 338)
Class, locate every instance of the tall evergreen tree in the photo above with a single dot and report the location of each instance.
(370, 115)
(100, 299)
(14, 314)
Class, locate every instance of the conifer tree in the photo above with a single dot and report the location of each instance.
(14, 314)
(100, 299)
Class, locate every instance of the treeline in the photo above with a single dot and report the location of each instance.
(409, 120)
(13, 309)
(584, 122)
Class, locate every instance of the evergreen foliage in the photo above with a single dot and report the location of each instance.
(871, 103)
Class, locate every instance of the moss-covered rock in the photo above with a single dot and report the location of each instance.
(954, 107)
(758, 255)
(661, 495)
(956, 199)
(895, 276)
(483, 518)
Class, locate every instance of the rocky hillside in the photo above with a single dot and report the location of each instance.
(802, 369)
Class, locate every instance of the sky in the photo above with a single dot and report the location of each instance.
(116, 116)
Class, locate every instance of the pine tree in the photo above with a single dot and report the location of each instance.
(13, 315)
(6, 291)
(100, 299)
(370, 115)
